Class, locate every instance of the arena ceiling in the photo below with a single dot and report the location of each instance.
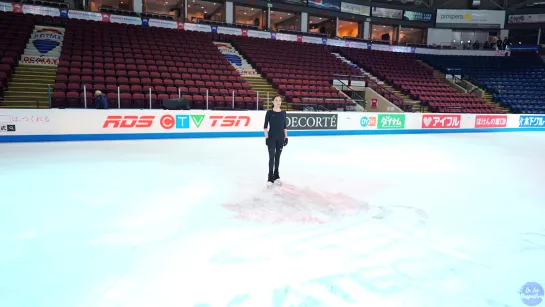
(509, 5)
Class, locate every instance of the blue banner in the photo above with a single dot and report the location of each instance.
(528, 121)
(417, 16)
(332, 5)
(524, 48)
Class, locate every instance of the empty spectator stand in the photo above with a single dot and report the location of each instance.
(145, 64)
(413, 78)
(516, 82)
(301, 72)
(15, 30)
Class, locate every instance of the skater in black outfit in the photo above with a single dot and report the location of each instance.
(276, 137)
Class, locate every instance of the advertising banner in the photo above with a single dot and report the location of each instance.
(294, 2)
(332, 5)
(85, 15)
(76, 124)
(158, 23)
(128, 20)
(197, 27)
(391, 121)
(368, 121)
(530, 121)
(39, 60)
(44, 46)
(526, 19)
(382, 12)
(417, 16)
(312, 121)
(470, 19)
(259, 34)
(314, 40)
(441, 121)
(41, 10)
(230, 31)
(284, 37)
(356, 9)
(6, 7)
(490, 121)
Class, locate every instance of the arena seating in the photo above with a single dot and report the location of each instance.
(104, 57)
(303, 73)
(516, 82)
(15, 30)
(406, 74)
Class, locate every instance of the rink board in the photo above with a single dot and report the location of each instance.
(86, 125)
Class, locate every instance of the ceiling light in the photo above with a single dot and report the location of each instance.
(244, 13)
(252, 9)
(280, 17)
(205, 12)
(202, 7)
(384, 26)
(188, 5)
(320, 18)
(289, 14)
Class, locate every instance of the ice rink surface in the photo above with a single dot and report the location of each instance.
(384, 220)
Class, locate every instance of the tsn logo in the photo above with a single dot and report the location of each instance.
(230, 121)
(146, 121)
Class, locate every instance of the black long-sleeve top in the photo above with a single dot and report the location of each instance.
(277, 123)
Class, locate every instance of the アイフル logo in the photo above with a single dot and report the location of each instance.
(441, 121)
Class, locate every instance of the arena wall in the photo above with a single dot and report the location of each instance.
(174, 25)
(84, 125)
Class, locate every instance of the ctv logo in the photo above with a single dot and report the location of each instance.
(128, 121)
(181, 121)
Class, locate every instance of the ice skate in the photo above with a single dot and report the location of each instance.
(276, 179)
(270, 180)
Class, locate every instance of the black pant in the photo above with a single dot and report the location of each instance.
(275, 149)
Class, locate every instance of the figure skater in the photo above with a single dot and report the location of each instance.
(276, 137)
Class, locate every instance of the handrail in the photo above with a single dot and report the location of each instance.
(354, 96)
(399, 102)
(345, 104)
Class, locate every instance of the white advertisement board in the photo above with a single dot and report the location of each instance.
(66, 124)
(470, 19)
(352, 8)
(524, 19)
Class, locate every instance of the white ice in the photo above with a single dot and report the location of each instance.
(445, 220)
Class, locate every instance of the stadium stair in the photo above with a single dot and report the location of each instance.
(29, 87)
(406, 99)
(364, 73)
(265, 90)
(441, 76)
(249, 73)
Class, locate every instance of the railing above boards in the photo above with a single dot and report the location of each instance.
(350, 82)
(324, 104)
(391, 96)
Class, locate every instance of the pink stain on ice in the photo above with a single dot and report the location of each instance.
(292, 205)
